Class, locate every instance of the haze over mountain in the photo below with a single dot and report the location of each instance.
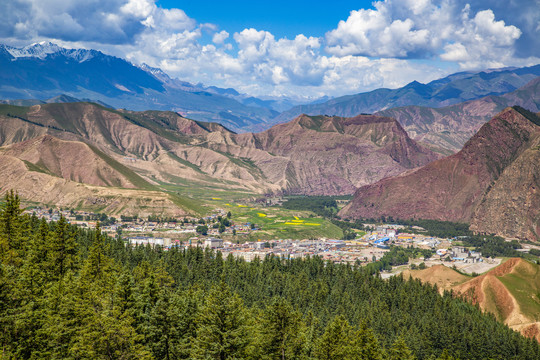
(45, 70)
(453, 89)
(491, 183)
(446, 129)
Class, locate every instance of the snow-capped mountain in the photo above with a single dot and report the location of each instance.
(45, 70)
(45, 48)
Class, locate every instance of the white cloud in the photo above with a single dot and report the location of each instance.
(138, 8)
(421, 29)
(482, 41)
(220, 37)
(376, 33)
(100, 21)
(371, 48)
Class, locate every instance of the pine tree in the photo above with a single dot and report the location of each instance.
(222, 330)
(13, 228)
(446, 356)
(400, 351)
(335, 343)
(280, 331)
(98, 269)
(365, 345)
(62, 250)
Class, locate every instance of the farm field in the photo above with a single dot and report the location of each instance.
(278, 223)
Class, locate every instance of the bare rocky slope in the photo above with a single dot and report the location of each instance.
(310, 155)
(484, 184)
(319, 155)
(71, 160)
(36, 186)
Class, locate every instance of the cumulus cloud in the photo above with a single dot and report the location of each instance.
(421, 29)
(220, 37)
(376, 33)
(105, 22)
(264, 65)
(481, 41)
(371, 48)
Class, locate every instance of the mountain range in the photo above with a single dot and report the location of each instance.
(391, 160)
(45, 70)
(491, 183)
(42, 71)
(153, 151)
(453, 89)
(446, 129)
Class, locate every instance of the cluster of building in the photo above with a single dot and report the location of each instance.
(79, 218)
(371, 247)
(333, 250)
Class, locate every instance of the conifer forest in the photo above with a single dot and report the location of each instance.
(71, 293)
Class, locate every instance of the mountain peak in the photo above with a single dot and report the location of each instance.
(153, 70)
(43, 49)
(39, 50)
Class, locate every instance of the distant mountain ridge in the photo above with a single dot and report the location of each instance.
(453, 89)
(446, 129)
(45, 70)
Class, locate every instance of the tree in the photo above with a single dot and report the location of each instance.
(172, 325)
(202, 229)
(446, 356)
(400, 351)
(222, 330)
(335, 343)
(365, 345)
(12, 227)
(62, 250)
(96, 258)
(280, 331)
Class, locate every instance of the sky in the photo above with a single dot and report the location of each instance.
(299, 49)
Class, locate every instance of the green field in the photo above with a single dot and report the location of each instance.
(278, 223)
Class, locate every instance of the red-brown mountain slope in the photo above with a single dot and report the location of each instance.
(454, 187)
(446, 129)
(320, 155)
(509, 291)
(315, 155)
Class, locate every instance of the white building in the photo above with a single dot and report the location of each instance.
(213, 243)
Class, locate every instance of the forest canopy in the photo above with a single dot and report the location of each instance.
(71, 293)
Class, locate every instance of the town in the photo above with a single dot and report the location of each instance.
(213, 231)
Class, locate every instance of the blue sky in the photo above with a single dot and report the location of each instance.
(298, 49)
(280, 17)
